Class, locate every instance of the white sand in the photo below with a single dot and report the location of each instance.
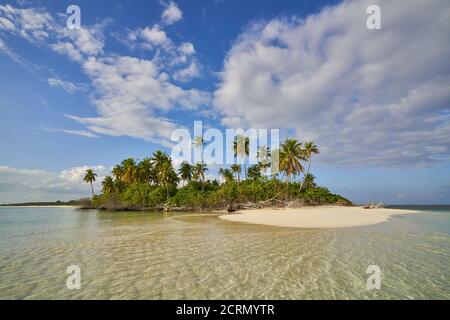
(315, 217)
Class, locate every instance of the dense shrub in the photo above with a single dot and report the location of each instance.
(191, 197)
(321, 196)
(215, 196)
(137, 194)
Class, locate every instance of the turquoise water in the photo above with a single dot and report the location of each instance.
(157, 256)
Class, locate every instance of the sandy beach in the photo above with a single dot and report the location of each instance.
(315, 217)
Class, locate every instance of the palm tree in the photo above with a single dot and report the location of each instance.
(185, 171)
(166, 175)
(158, 159)
(108, 185)
(263, 167)
(145, 170)
(129, 170)
(309, 149)
(89, 177)
(263, 154)
(119, 185)
(241, 148)
(308, 181)
(199, 173)
(117, 172)
(274, 162)
(254, 172)
(199, 143)
(226, 174)
(290, 156)
(236, 169)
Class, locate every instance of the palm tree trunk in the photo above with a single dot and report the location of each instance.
(307, 172)
(92, 189)
(287, 186)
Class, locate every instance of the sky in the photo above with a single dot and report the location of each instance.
(376, 102)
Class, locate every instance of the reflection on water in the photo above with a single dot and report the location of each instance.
(156, 256)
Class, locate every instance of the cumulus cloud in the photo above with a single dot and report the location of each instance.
(187, 73)
(377, 97)
(22, 185)
(151, 37)
(186, 48)
(171, 14)
(132, 93)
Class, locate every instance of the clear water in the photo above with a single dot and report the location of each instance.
(156, 256)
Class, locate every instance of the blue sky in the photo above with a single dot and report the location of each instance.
(377, 102)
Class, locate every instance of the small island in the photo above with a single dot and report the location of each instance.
(153, 184)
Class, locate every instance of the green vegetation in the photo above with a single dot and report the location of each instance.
(153, 183)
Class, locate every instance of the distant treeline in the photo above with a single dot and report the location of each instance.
(79, 202)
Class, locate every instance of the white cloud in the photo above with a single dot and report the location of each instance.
(82, 133)
(186, 48)
(89, 41)
(187, 73)
(152, 37)
(132, 93)
(172, 13)
(376, 97)
(76, 174)
(22, 185)
(37, 25)
(66, 85)
(6, 24)
(67, 48)
(30, 23)
(79, 44)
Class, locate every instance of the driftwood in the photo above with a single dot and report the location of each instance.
(261, 204)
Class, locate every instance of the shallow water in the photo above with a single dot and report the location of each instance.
(157, 256)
